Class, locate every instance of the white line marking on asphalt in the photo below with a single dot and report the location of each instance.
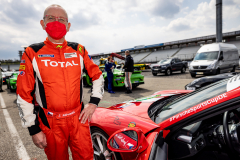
(21, 150)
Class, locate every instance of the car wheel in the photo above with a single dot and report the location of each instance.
(99, 140)
(154, 74)
(183, 70)
(168, 72)
(193, 75)
(233, 70)
(85, 82)
(218, 71)
(135, 85)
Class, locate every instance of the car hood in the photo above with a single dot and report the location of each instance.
(202, 62)
(212, 78)
(139, 107)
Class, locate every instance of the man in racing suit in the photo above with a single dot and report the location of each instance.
(51, 73)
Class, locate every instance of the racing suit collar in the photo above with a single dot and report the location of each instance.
(55, 45)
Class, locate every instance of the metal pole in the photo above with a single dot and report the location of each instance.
(218, 21)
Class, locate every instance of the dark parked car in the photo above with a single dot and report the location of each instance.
(204, 81)
(168, 66)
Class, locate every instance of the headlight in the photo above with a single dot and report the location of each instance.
(191, 67)
(164, 66)
(211, 66)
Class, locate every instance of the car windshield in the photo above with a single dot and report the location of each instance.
(207, 56)
(190, 100)
(165, 61)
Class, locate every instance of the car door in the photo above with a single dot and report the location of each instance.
(157, 149)
(179, 64)
(174, 65)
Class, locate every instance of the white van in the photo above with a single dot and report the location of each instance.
(214, 58)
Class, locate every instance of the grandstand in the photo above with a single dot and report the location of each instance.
(184, 49)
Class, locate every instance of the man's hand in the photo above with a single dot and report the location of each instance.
(40, 140)
(87, 112)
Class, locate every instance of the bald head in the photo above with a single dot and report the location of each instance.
(57, 9)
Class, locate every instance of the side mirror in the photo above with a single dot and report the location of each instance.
(128, 140)
(221, 57)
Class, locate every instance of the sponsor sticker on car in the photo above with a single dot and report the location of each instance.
(198, 107)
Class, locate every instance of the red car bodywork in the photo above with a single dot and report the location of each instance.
(131, 113)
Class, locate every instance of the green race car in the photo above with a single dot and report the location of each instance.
(12, 82)
(118, 79)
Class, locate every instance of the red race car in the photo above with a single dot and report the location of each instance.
(177, 124)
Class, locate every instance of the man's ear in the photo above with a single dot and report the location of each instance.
(68, 27)
(42, 24)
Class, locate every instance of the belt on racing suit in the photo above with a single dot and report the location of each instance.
(64, 114)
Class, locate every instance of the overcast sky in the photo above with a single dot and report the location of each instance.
(110, 25)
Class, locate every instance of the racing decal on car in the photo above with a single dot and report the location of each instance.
(70, 55)
(233, 83)
(46, 55)
(22, 73)
(55, 64)
(23, 61)
(22, 67)
(151, 98)
(130, 146)
(116, 121)
(126, 105)
(198, 107)
(132, 124)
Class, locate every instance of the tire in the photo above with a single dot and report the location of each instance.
(8, 86)
(234, 68)
(85, 82)
(97, 136)
(135, 85)
(218, 71)
(183, 70)
(154, 74)
(106, 84)
(168, 72)
(193, 75)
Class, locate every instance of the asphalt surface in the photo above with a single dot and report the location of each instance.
(12, 144)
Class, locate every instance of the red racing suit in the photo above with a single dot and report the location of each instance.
(51, 75)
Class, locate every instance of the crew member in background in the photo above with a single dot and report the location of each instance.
(128, 67)
(109, 68)
(51, 72)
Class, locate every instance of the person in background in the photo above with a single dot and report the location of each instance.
(1, 78)
(109, 67)
(128, 67)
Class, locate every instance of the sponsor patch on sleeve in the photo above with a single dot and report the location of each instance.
(22, 67)
(46, 55)
(70, 55)
(23, 61)
(22, 73)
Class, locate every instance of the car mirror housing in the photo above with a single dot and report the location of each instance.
(130, 139)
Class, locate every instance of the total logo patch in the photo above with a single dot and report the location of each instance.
(22, 73)
(132, 124)
(46, 55)
(23, 61)
(22, 67)
(70, 55)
